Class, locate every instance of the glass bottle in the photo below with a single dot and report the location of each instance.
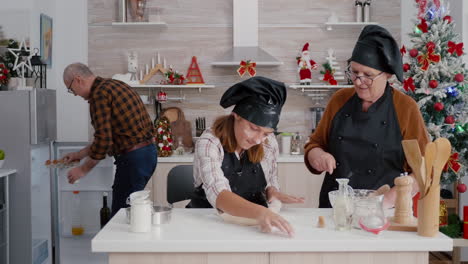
(76, 224)
(105, 212)
(180, 150)
(296, 144)
(343, 206)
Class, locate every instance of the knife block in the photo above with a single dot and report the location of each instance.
(428, 213)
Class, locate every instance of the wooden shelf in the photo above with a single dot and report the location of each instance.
(316, 88)
(162, 24)
(182, 87)
(330, 25)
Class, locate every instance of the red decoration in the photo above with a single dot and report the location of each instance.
(437, 3)
(328, 74)
(173, 77)
(413, 53)
(247, 66)
(408, 84)
(453, 164)
(406, 67)
(4, 74)
(403, 50)
(433, 84)
(426, 59)
(450, 119)
(465, 222)
(461, 188)
(453, 47)
(194, 75)
(459, 77)
(423, 25)
(422, 8)
(162, 96)
(438, 106)
(448, 19)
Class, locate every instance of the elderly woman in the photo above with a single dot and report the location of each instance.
(360, 134)
(235, 166)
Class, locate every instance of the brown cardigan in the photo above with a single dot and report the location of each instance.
(409, 118)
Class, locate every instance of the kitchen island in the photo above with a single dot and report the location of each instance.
(200, 236)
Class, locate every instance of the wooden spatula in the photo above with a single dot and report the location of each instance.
(429, 155)
(444, 148)
(414, 159)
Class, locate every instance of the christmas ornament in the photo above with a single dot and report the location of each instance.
(164, 139)
(335, 67)
(417, 30)
(450, 119)
(4, 74)
(194, 75)
(451, 91)
(408, 84)
(459, 129)
(426, 59)
(247, 66)
(406, 67)
(156, 67)
(422, 4)
(413, 53)
(162, 96)
(22, 59)
(174, 77)
(459, 77)
(305, 65)
(452, 163)
(448, 19)
(433, 84)
(423, 25)
(438, 106)
(453, 47)
(403, 50)
(430, 14)
(328, 74)
(461, 188)
(437, 3)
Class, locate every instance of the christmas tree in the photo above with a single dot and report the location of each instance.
(164, 137)
(435, 77)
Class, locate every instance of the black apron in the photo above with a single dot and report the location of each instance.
(246, 179)
(366, 146)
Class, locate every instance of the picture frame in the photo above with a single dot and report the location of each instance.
(46, 40)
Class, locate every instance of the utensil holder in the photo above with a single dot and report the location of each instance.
(428, 213)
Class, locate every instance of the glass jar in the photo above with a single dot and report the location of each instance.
(77, 228)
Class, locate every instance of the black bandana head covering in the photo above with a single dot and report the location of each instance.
(258, 100)
(376, 48)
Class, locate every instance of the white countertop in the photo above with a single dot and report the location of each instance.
(200, 230)
(6, 172)
(189, 158)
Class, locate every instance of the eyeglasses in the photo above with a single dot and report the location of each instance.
(70, 87)
(364, 79)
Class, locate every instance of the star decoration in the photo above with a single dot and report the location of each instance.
(22, 58)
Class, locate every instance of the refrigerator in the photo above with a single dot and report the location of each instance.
(71, 248)
(27, 131)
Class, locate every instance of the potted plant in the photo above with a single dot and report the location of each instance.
(2, 157)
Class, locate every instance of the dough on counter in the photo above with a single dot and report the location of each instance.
(274, 206)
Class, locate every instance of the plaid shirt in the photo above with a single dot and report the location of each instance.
(119, 118)
(208, 158)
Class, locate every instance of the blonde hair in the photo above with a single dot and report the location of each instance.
(223, 128)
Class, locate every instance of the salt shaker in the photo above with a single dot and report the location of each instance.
(366, 11)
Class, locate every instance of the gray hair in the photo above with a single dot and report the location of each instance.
(76, 69)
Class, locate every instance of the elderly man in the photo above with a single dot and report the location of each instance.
(123, 129)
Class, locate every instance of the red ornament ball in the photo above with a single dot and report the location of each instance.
(461, 188)
(406, 67)
(448, 19)
(459, 77)
(438, 106)
(413, 53)
(433, 84)
(450, 120)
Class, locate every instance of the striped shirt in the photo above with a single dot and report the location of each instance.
(208, 159)
(119, 118)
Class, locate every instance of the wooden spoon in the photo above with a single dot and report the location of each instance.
(429, 155)
(444, 148)
(414, 159)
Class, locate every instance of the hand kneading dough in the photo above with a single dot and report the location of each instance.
(274, 206)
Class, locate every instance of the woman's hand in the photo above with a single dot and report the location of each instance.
(73, 156)
(321, 160)
(268, 219)
(272, 194)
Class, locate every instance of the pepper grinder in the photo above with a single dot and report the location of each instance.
(403, 206)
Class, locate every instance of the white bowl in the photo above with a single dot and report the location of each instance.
(357, 194)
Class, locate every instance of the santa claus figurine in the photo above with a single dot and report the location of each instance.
(305, 65)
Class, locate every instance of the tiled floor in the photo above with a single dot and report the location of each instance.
(77, 250)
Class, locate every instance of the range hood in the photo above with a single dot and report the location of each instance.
(245, 38)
